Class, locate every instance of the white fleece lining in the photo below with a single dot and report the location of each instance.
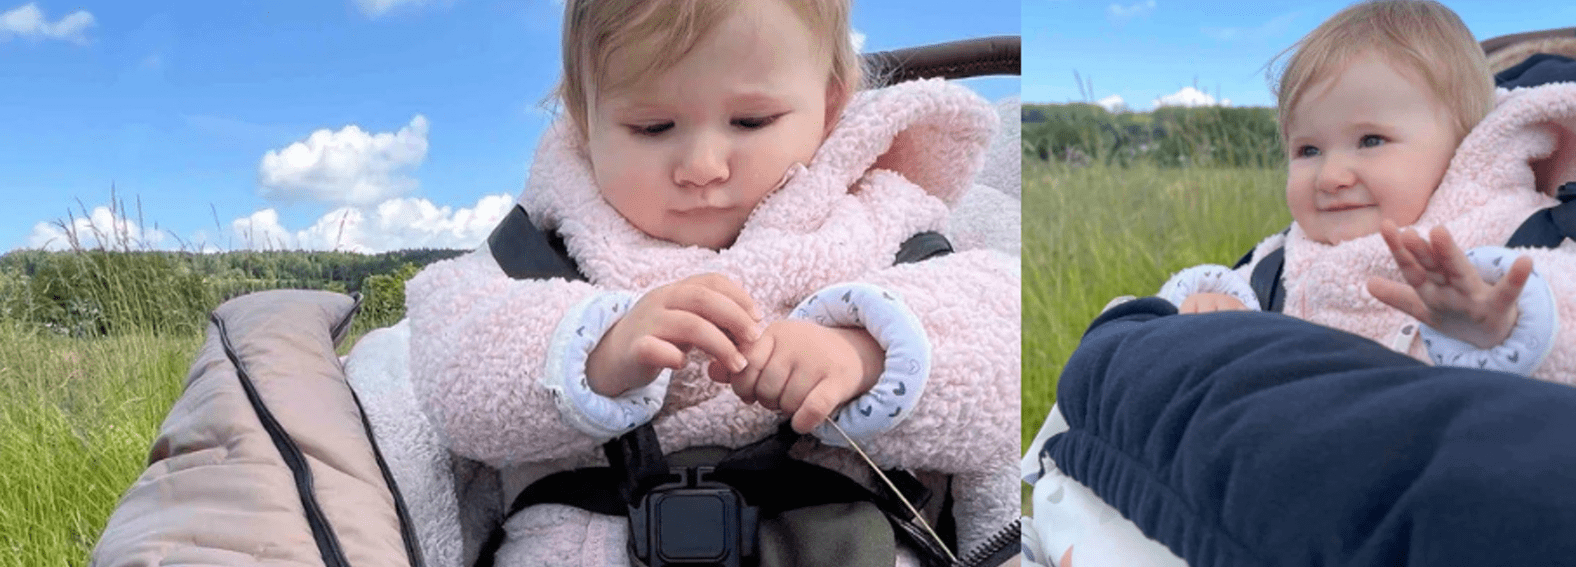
(882, 313)
(599, 416)
(1530, 340)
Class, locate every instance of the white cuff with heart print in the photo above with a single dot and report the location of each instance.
(882, 314)
(1208, 278)
(569, 349)
(1537, 323)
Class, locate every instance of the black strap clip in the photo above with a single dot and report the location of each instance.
(682, 515)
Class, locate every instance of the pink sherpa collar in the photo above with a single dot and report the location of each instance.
(899, 157)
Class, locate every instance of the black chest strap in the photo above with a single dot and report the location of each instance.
(1549, 227)
(527, 253)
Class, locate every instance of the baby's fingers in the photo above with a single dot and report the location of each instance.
(1423, 254)
(1452, 261)
(716, 302)
(756, 357)
(1411, 270)
(1508, 290)
(657, 353)
(822, 400)
(1401, 296)
(732, 290)
(684, 328)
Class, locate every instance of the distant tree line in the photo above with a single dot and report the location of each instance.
(95, 292)
(1078, 134)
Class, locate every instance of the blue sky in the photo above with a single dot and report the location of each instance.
(328, 124)
(1142, 50)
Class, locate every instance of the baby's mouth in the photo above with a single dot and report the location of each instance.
(700, 212)
(1342, 207)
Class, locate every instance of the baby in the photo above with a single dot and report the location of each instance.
(735, 202)
(1372, 107)
(1389, 119)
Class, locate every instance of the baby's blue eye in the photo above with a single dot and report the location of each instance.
(1371, 140)
(649, 129)
(1307, 151)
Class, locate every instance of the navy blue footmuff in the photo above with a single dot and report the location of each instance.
(1241, 438)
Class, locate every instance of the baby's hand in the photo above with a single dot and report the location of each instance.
(1210, 302)
(806, 370)
(1445, 292)
(695, 312)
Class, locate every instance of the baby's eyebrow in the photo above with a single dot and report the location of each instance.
(754, 99)
(1369, 125)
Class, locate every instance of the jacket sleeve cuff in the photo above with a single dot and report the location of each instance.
(882, 313)
(1208, 278)
(598, 416)
(1530, 341)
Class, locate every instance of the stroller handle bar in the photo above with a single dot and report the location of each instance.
(995, 55)
(1493, 44)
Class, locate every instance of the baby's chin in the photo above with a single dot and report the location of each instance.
(710, 240)
(1338, 235)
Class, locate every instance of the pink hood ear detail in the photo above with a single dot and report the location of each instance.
(1513, 159)
(921, 130)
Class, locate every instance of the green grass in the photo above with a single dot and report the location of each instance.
(76, 421)
(95, 344)
(1094, 233)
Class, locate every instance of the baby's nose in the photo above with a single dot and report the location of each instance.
(704, 162)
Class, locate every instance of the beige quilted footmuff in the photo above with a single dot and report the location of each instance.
(265, 458)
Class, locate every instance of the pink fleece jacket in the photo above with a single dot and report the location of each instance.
(897, 161)
(1505, 169)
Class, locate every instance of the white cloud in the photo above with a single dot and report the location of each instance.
(28, 22)
(394, 224)
(1273, 28)
(1120, 12)
(102, 228)
(1113, 103)
(1190, 96)
(858, 38)
(375, 8)
(347, 167)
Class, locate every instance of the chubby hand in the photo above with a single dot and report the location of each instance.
(806, 370)
(1445, 292)
(696, 312)
(1210, 302)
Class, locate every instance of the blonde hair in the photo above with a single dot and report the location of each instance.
(666, 30)
(1420, 36)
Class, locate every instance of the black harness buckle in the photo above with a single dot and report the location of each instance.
(693, 521)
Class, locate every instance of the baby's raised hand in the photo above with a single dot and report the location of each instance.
(806, 370)
(699, 311)
(1208, 302)
(1444, 290)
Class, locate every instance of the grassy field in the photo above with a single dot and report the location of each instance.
(1094, 233)
(94, 349)
(76, 421)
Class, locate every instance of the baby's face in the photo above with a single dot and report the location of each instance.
(1365, 144)
(687, 155)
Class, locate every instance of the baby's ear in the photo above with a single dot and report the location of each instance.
(836, 99)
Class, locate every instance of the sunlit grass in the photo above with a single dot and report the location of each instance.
(1094, 233)
(76, 420)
